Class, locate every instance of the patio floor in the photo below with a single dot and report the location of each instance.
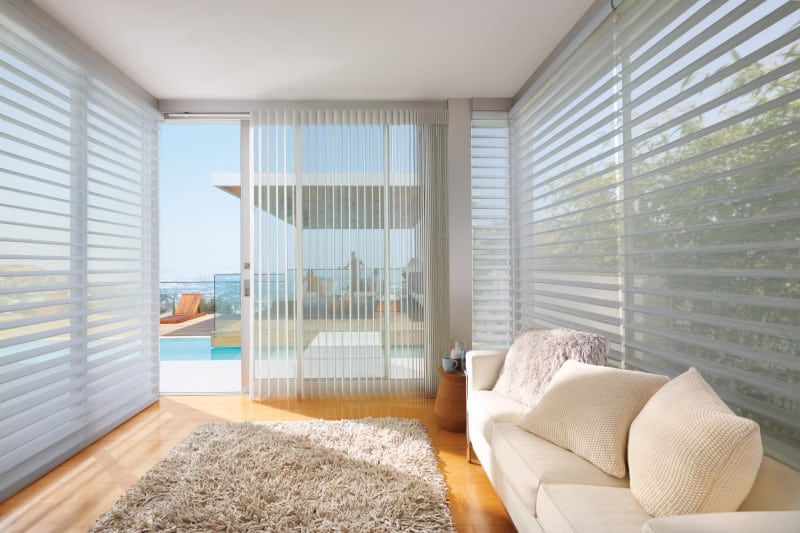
(201, 377)
(198, 377)
(224, 377)
(201, 326)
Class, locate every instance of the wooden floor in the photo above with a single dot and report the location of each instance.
(71, 497)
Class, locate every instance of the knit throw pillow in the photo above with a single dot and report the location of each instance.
(536, 356)
(588, 410)
(689, 453)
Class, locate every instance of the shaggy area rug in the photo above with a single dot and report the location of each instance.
(373, 474)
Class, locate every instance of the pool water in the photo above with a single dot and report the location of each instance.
(196, 349)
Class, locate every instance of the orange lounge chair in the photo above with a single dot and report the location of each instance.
(187, 309)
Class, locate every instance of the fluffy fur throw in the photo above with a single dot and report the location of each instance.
(536, 356)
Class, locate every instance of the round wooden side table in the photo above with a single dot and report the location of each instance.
(450, 408)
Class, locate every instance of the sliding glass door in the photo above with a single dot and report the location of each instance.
(339, 251)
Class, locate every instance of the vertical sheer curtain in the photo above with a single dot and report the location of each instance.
(78, 252)
(350, 251)
(656, 193)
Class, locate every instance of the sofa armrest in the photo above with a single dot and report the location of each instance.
(739, 522)
(483, 368)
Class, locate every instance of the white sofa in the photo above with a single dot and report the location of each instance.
(547, 488)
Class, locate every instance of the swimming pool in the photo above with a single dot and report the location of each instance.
(196, 349)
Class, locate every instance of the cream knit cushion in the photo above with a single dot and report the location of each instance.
(536, 356)
(689, 453)
(588, 409)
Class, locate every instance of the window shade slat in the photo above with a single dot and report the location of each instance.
(76, 151)
(709, 81)
(678, 207)
(491, 231)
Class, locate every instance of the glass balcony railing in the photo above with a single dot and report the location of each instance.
(171, 292)
(222, 299)
(228, 310)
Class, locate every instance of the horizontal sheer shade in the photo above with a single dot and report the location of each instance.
(711, 213)
(78, 261)
(492, 281)
(656, 191)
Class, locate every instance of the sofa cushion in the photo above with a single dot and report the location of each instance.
(486, 407)
(588, 409)
(776, 488)
(689, 453)
(590, 509)
(523, 461)
(536, 355)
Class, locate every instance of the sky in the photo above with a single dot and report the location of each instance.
(199, 223)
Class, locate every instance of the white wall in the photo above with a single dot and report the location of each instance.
(460, 219)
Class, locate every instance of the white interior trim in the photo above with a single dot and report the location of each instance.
(246, 252)
(244, 106)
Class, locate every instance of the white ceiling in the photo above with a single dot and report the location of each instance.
(322, 49)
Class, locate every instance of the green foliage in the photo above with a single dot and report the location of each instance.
(698, 208)
(207, 305)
